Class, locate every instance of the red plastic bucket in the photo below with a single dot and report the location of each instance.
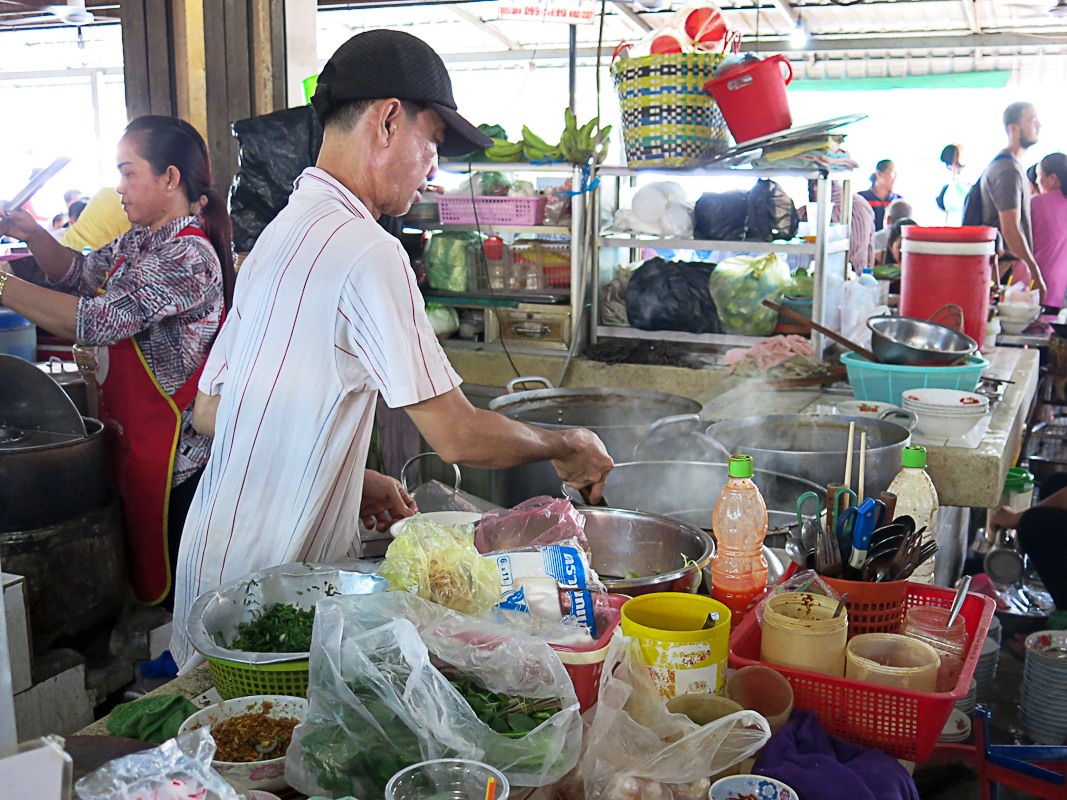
(940, 266)
(585, 663)
(752, 99)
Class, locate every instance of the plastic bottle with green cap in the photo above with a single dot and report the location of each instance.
(739, 571)
(917, 498)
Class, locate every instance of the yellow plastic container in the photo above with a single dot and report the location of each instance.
(800, 631)
(683, 656)
(892, 659)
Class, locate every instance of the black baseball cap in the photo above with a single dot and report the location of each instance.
(382, 63)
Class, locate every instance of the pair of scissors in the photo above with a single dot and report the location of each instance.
(844, 539)
(800, 505)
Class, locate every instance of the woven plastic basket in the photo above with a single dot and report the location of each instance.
(668, 120)
(234, 680)
(884, 383)
(459, 210)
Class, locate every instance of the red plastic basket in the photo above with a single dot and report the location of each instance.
(585, 663)
(459, 210)
(903, 723)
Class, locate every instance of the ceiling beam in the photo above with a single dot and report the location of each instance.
(786, 11)
(970, 13)
(485, 27)
(628, 11)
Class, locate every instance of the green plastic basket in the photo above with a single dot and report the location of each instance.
(233, 679)
(885, 383)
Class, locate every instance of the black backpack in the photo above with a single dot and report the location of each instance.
(973, 213)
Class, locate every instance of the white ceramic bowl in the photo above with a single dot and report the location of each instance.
(1017, 312)
(1015, 327)
(738, 787)
(864, 408)
(952, 400)
(268, 776)
(441, 518)
(947, 426)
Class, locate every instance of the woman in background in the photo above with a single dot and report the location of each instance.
(1048, 217)
(881, 193)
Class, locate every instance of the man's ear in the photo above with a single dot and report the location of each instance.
(388, 118)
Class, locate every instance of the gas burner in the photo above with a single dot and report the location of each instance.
(10, 435)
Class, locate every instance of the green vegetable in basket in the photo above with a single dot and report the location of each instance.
(281, 628)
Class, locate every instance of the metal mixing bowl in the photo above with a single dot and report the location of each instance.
(916, 342)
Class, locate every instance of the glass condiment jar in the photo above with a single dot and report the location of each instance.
(927, 624)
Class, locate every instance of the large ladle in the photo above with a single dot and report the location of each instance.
(837, 337)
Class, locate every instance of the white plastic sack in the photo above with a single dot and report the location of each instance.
(627, 754)
(378, 704)
(179, 769)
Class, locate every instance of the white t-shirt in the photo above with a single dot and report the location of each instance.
(326, 314)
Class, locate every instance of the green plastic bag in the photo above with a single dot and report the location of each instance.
(446, 260)
(740, 284)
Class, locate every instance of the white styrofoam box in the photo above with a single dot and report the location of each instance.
(59, 704)
(18, 631)
(40, 769)
(159, 640)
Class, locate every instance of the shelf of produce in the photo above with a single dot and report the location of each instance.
(659, 243)
(724, 171)
(463, 167)
(501, 299)
(618, 332)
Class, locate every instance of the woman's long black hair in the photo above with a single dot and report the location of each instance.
(172, 142)
(1056, 164)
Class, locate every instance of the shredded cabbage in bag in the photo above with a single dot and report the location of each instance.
(740, 284)
(440, 564)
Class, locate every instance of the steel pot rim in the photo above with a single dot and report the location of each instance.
(841, 418)
(94, 429)
(511, 402)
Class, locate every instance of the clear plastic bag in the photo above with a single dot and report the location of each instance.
(740, 284)
(637, 750)
(179, 769)
(803, 580)
(440, 564)
(537, 521)
(446, 260)
(379, 703)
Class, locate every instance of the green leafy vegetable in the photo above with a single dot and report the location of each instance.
(281, 628)
(508, 715)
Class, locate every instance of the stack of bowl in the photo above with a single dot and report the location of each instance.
(1043, 711)
(985, 671)
(967, 703)
(1016, 317)
(957, 729)
(945, 412)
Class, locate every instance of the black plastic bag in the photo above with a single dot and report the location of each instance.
(762, 214)
(672, 296)
(273, 150)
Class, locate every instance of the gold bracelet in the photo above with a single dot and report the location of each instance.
(3, 282)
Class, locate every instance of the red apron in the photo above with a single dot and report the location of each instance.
(143, 425)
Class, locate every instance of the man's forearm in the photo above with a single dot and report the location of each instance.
(1017, 244)
(493, 441)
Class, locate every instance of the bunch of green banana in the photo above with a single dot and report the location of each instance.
(537, 149)
(503, 150)
(588, 141)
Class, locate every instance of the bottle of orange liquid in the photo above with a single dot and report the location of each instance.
(739, 571)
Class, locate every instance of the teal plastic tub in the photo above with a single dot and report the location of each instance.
(884, 383)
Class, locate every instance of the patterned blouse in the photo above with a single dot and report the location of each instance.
(167, 294)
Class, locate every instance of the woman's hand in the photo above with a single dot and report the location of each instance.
(17, 223)
(384, 501)
(1004, 518)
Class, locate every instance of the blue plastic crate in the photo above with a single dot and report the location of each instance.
(884, 383)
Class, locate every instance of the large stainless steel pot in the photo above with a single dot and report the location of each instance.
(67, 375)
(815, 446)
(620, 417)
(46, 479)
(666, 555)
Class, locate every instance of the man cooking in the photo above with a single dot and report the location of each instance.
(326, 315)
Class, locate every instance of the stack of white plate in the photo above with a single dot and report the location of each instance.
(985, 671)
(1043, 711)
(967, 703)
(957, 729)
(945, 412)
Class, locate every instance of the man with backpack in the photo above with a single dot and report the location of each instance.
(1001, 197)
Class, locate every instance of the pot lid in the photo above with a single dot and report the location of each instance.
(62, 372)
(30, 401)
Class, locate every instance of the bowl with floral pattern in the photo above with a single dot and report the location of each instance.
(268, 774)
(750, 787)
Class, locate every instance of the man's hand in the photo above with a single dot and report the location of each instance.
(17, 223)
(1004, 518)
(205, 409)
(587, 465)
(1039, 282)
(384, 501)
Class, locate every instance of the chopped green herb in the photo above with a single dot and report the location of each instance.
(282, 628)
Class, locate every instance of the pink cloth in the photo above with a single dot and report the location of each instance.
(1048, 215)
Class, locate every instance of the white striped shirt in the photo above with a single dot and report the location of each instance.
(326, 314)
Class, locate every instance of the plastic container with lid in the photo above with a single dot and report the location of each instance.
(18, 336)
(739, 570)
(891, 659)
(917, 498)
(1018, 489)
(800, 631)
(927, 625)
(942, 266)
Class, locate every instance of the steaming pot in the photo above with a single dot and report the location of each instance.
(815, 446)
(620, 417)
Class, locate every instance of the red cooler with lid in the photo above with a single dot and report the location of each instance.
(940, 266)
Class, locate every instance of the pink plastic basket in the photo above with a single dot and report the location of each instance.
(459, 210)
(904, 723)
(584, 664)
